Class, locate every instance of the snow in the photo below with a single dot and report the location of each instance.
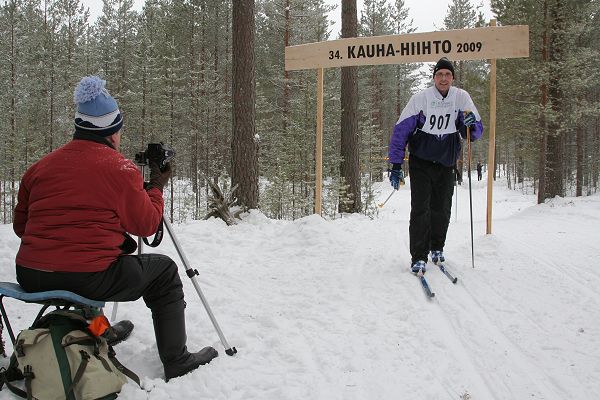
(323, 309)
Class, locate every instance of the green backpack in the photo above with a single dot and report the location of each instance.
(58, 358)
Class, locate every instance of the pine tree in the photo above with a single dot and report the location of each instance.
(244, 146)
(350, 165)
(554, 85)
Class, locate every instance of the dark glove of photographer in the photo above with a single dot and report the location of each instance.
(158, 178)
(396, 176)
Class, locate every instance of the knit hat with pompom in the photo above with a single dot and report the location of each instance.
(97, 112)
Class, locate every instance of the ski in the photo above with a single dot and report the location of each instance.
(448, 274)
(425, 285)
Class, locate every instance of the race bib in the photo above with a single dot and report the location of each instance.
(440, 114)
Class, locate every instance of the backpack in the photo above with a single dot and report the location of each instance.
(59, 358)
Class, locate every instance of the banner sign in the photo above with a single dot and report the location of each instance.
(460, 44)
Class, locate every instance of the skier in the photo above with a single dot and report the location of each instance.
(75, 207)
(479, 168)
(432, 124)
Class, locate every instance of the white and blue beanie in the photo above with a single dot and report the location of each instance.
(97, 112)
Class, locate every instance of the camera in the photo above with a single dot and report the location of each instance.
(158, 153)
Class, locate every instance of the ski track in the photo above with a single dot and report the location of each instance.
(542, 340)
(503, 364)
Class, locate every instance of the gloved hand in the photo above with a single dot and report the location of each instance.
(421, 119)
(396, 176)
(158, 178)
(469, 118)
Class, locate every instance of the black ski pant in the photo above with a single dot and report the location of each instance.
(431, 190)
(151, 276)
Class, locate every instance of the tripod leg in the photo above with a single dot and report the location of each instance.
(113, 315)
(192, 274)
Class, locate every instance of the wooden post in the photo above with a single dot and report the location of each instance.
(319, 144)
(492, 144)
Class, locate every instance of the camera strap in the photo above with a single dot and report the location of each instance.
(158, 236)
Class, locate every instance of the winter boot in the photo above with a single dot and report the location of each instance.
(418, 266)
(437, 257)
(118, 332)
(169, 329)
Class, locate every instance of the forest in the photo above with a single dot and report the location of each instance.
(208, 79)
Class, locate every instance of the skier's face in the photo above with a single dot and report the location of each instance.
(443, 80)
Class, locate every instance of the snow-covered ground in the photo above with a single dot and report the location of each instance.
(328, 309)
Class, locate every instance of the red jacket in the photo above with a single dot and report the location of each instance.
(76, 204)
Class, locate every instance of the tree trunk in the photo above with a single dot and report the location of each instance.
(520, 162)
(554, 182)
(243, 144)
(203, 110)
(172, 136)
(596, 161)
(350, 165)
(194, 106)
(542, 116)
(13, 106)
(580, 161)
(285, 103)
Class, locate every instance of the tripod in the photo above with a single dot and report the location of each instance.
(192, 274)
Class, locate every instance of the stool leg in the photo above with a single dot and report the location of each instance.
(6, 321)
(41, 313)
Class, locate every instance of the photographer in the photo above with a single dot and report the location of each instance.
(74, 210)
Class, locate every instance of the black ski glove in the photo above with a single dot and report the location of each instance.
(396, 175)
(158, 178)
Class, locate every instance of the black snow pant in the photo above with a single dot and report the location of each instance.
(431, 190)
(151, 276)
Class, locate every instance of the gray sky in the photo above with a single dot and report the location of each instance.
(428, 15)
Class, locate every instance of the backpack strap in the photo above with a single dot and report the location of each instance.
(111, 356)
(84, 362)
(74, 315)
(124, 370)
(20, 346)
(28, 375)
(16, 390)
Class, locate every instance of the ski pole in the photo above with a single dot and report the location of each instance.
(386, 200)
(456, 201)
(380, 205)
(470, 193)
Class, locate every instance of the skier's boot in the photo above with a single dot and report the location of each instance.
(418, 267)
(437, 257)
(118, 332)
(169, 328)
